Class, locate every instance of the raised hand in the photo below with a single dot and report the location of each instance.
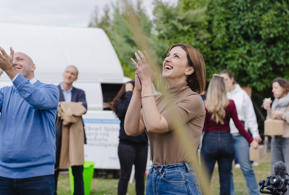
(6, 61)
(144, 71)
(267, 106)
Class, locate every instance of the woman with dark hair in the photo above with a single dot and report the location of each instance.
(185, 73)
(247, 116)
(280, 111)
(217, 145)
(131, 150)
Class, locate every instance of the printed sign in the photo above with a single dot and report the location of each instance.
(102, 131)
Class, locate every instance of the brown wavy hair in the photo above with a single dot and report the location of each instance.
(197, 80)
(284, 83)
(120, 96)
(230, 74)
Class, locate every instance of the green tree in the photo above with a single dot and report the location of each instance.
(120, 34)
(250, 39)
(174, 24)
(104, 22)
(247, 37)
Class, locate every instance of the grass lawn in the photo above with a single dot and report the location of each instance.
(109, 186)
(262, 172)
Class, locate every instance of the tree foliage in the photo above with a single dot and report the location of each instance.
(250, 39)
(120, 34)
(245, 36)
(175, 25)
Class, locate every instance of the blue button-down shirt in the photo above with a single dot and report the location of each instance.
(66, 94)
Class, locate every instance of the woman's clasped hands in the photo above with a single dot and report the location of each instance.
(144, 73)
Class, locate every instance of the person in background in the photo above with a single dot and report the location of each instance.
(203, 95)
(68, 93)
(247, 116)
(279, 111)
(185, 74)
(131, 150)
(27, 129)
(218, 141)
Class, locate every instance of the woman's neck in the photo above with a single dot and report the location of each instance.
(174, 82)
(232, 88)
(283, 95)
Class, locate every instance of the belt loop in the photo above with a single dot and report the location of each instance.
(189, 167)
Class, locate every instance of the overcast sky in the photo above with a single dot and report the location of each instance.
(74, 13)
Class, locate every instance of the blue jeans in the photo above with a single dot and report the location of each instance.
(218, 147)
(242, 155)
(43, 185)
(279, 152)
(175, 179)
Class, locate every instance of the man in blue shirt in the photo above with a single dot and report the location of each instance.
(68, 93)
(27, 129)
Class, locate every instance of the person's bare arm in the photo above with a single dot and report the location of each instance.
(153, 120)
(133, 125)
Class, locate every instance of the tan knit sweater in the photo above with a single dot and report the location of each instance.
(188, 105)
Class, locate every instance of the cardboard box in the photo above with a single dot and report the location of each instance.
(273, 127)
(257, 154)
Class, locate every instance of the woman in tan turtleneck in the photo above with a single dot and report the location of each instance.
(184, 71)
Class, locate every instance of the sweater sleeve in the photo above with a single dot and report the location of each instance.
(1, 98)
(269, 112)
(250, 116)
(285, 117)
(122, 106)
(44, 97)
(238, 123)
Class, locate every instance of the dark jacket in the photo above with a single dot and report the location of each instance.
(121, 111)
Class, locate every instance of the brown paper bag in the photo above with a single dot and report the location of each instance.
(274, 127)
(256, 154)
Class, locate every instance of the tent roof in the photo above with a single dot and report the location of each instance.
(54, 48)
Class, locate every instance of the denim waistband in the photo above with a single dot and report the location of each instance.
(217, 131)
(184, 165)
(217, 135)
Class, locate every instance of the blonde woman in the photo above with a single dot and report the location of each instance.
(217, 143)
(247, 116)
